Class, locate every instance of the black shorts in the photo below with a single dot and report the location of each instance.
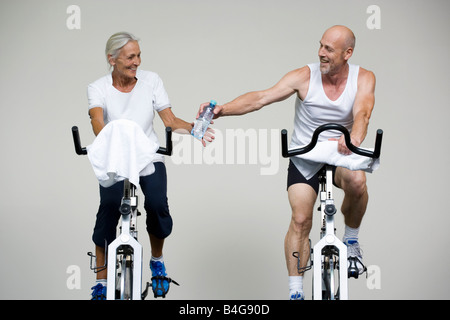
(295, 176)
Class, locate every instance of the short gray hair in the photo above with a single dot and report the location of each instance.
(116, 42)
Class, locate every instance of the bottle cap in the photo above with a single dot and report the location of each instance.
(213, 103)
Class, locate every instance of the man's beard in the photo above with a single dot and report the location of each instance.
(325, 66)
(325, 69)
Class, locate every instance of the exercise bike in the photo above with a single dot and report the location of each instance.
(124, 254)
(329, 255)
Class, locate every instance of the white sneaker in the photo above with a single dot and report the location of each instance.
(355, 259)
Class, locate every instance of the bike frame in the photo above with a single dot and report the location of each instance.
(330, 243)
(126, 243)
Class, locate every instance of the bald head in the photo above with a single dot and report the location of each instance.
(342, 36)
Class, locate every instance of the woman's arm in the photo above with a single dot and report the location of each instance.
(97, 122)
(180, 126)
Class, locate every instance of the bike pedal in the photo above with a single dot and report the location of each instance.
(353, 271)
(159, 291)
(353, 274)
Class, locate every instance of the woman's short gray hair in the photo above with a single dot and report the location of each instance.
(116, 42)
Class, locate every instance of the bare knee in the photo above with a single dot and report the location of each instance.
(358, 186)
(301, 198)
(301, 223)
(354, 184)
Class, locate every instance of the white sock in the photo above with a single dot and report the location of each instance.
(295, 284)
(160, 259)
(102, 281)
(351, 234)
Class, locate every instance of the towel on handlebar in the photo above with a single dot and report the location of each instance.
(326, 152)
(121, 150)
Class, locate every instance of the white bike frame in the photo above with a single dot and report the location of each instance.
(328, 240)
(127, 240)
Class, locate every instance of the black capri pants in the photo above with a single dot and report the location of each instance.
(154, 187)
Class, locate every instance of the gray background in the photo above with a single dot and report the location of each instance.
(230, 221)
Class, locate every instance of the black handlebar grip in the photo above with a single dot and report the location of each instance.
(76, 140)
(377, 150)
(284, 144)
(168, 149)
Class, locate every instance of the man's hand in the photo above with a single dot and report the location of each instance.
(217, 110)
(209, 134)
(342, 147)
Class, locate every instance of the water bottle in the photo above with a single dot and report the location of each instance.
(203, 121)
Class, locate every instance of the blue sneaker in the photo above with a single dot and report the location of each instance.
(160, 281)
(99, 292)
(297, 295)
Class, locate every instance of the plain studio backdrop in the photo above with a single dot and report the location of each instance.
(228, 201)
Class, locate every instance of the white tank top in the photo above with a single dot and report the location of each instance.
(317, 109)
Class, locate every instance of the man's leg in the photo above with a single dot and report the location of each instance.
(356, 197)
(353, 207)
(301, 198)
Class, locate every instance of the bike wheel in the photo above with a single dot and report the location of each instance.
(128, 289)
(326, 281)
(330, 277)
(124, 278)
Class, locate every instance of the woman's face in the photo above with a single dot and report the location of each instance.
(128, 60)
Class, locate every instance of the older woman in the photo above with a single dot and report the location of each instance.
(134, 95)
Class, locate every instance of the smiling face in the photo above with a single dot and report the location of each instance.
(128, 60)
(336, 47)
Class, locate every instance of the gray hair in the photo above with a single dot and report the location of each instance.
(116, 42)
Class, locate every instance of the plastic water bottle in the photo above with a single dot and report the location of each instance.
(203, 120)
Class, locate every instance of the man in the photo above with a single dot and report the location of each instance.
(329, 91)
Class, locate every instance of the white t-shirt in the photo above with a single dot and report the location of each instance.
(139, 105)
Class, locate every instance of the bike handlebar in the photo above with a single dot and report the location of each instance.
(162, 150)
(331, 126)
(76, 141)
(167, 151)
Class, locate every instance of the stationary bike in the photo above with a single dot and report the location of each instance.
(124, 254)
(329, 260)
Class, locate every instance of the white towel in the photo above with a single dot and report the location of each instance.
(327, 152)
(121, 150)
